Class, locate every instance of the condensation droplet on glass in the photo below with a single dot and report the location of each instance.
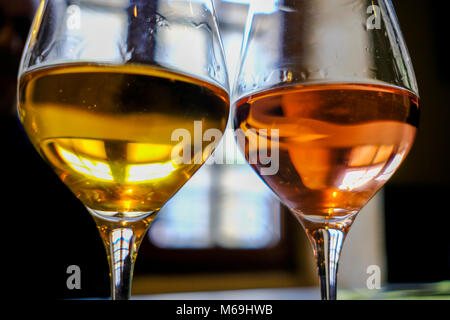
(125, 54)
(216, 67)
(285, 8)
(45, 53)
(199, 25)
(161, 21)
(211, 71)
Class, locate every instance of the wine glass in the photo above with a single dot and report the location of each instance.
(116, 96)
(329, 88)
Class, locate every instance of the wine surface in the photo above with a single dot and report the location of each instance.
(107, 130)
(338, 143)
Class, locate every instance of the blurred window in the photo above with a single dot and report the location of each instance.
(225, 206)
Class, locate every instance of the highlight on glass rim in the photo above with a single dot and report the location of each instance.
(227, 155)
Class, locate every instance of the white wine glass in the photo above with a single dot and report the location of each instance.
(105, 89)
(329, 87)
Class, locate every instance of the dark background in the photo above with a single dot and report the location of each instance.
(46, 229)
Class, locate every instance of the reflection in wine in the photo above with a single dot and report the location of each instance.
(107, 130)
(339, 143)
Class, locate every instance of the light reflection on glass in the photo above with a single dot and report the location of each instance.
(147, 172)
(372, 161)
(102, 171)
(97, 169)
(358, 178)
(392, 167)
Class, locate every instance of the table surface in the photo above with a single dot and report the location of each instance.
(440, 290)
(251, 294)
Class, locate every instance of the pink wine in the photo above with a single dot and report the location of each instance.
(338, 143)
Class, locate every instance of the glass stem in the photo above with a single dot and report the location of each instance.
(327, 245)
(122, 255)
(122, 238)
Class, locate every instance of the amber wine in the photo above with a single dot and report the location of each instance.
(338, 143)
(107, 130)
